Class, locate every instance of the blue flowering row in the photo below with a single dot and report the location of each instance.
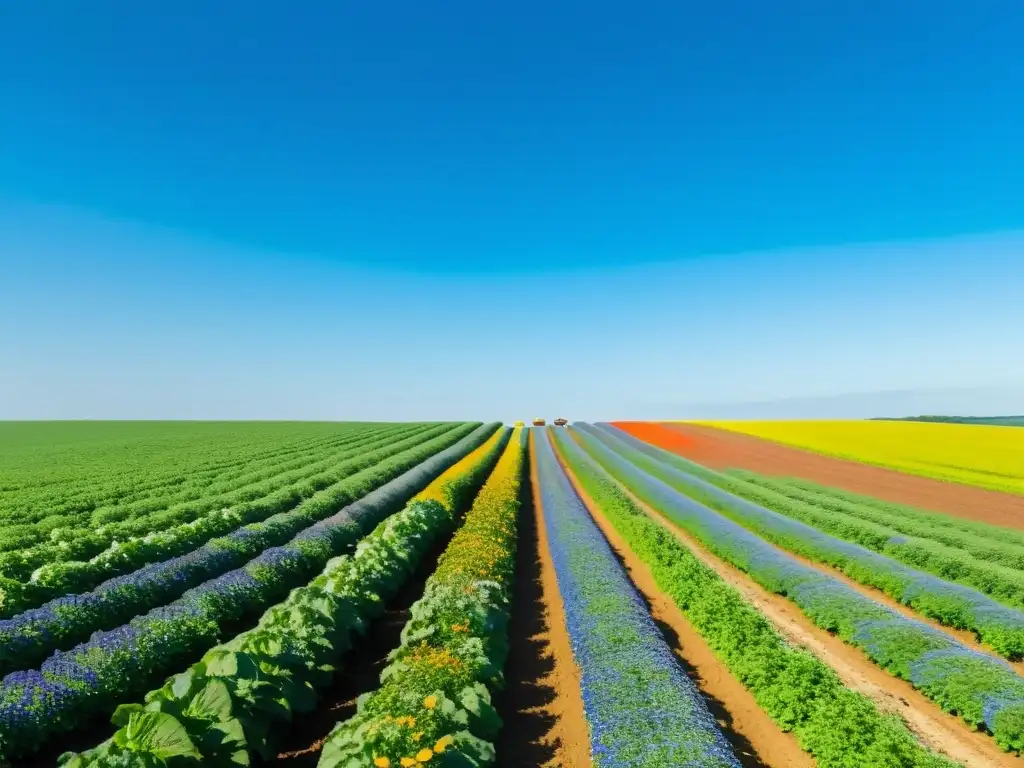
(983, 541)
(954, 605)
(919, 543)
(983, 690)
(1000, 582)
(78, 563)
(641, 708)
(839, 727)
(30, 637)
(113, 666)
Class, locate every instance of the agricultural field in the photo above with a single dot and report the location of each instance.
(466, 594)
(982, 455)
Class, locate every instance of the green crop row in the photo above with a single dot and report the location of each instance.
(434, 701)
(1004, 546)
(50, 471)
(127, 517)
(231, 704)
(51, 577)
(1002, 582)
(75, 499)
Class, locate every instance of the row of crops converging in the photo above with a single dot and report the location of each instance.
(235, 616)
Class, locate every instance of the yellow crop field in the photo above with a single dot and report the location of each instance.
(984, 456)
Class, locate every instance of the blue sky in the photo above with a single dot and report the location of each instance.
(457, 210)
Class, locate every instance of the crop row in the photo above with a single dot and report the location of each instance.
(36, 482)
(87, 477)
(75, 502)
(82, 543)
(952, 604)
(89, 538)
(618, 648)
(983, 690)
(1001, 582)
(95, 676)
(435, 695)
(839, 727)
(73, 576)
(57, 527)
(30, 637)
(230, 705)
(1003, 546)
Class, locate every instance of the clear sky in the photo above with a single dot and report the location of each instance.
(473, 210)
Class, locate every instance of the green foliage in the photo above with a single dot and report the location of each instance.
(434, 701)
(233, 701)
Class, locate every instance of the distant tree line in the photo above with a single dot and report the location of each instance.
(998, 421)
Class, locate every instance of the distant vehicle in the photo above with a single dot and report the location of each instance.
(560, 422)
(539, 422)
(519, 424)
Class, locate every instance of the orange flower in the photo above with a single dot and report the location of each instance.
(381, 762)
(424, 754)
(430, 702)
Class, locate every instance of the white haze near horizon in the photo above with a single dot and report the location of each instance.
(108, 320)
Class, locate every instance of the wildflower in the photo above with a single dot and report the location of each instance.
(407, 761)
(381, 762)
(424, 754)
(430, 702)
(417, 736)
(443, 743)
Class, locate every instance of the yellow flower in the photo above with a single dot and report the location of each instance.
(430, 702)
(417, 736)
(443, 743)
(407, 761)
(423, 755)
(381, 762)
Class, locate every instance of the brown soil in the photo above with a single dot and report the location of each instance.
(542, 708)
(721, 449)
(939, 731)
(756, 739)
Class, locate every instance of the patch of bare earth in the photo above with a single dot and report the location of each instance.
(721, 449)
(542, 708)
(937, 730)
(755, 737)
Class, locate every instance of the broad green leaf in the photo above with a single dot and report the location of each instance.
(232, 664)
(158, 734)
(123, 714)
(213, 702)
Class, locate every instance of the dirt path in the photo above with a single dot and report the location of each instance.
(756, 739)
(939, 731)
(721, 449)
(545, 726)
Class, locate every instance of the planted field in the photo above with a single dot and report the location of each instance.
(985, 456)
(347, 595)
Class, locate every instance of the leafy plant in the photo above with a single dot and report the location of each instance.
(434, 701)
(233, 701)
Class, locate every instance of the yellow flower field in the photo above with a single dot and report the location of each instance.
(984, 456)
